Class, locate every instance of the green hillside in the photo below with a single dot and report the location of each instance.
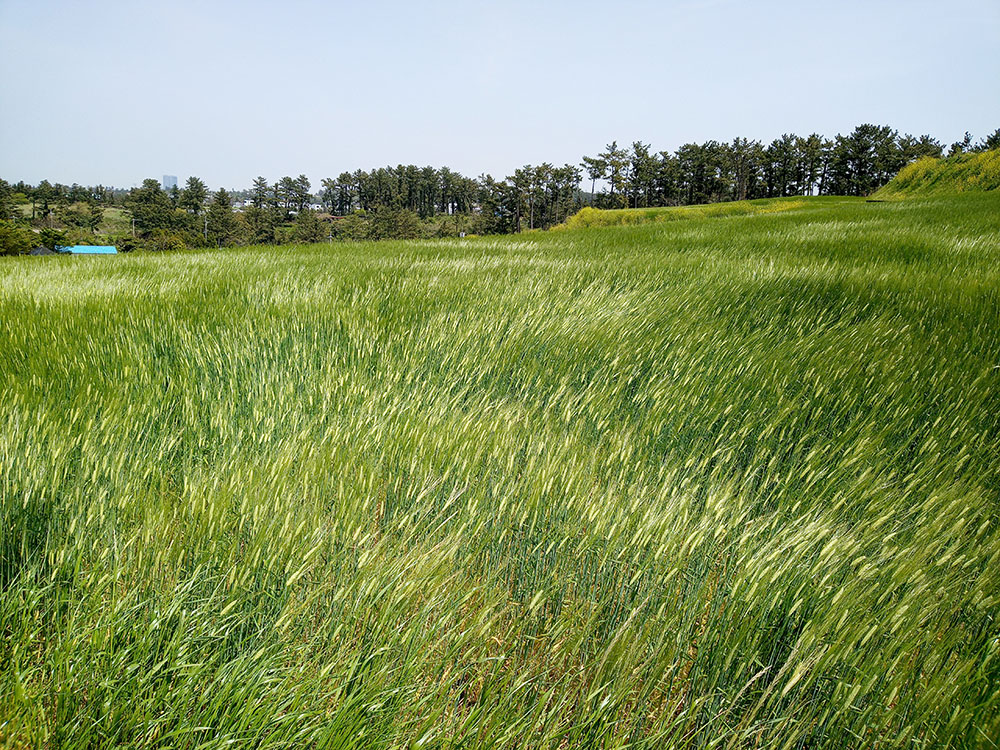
(956, 174)
(687, 484)
(593, 217)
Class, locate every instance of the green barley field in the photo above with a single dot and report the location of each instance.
(729, 480)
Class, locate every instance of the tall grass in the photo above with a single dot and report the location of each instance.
(962, 172)
(688, 484)
(593, 217)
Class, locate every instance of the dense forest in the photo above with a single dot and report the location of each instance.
(408, 202)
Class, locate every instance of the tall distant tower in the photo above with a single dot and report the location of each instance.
(169, 181)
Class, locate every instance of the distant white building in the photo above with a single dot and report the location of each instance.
(169, 181)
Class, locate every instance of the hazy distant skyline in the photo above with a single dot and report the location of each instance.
(114, 92)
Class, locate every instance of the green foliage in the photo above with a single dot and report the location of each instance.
(193, 197)
(593, 217)
(290, 194)
(959, 173)
(125, 243)
(710, 172)
(457, 225)
(14, 238)
(393, 223)
(990, 142)
(8, 200)
(82, 216)
(164, 241)
(260, 192)
(53, 239)
(308, 227)
(352, 227)
(79, 236)
(261, 223)
(44, 198)
(151, 209)
(222, 226)
(115, 221)
(719, 482)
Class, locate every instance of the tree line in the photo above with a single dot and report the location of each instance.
(409, 202)
(856, 164)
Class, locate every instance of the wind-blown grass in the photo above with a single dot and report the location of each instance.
(959, 173)
(687, 484)
(593, 217)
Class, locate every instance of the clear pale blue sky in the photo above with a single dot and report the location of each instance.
(115, 91)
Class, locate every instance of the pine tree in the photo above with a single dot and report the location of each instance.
(259, 192)
(222, 223)
(194, 195)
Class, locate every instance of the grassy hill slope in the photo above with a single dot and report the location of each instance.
(593, 217)
(964, 172)
(685, 484)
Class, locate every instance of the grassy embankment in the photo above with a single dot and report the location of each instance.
(593, 217)
(957, 174)
(694, 483)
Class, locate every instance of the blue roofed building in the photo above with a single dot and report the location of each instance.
(90, 250)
